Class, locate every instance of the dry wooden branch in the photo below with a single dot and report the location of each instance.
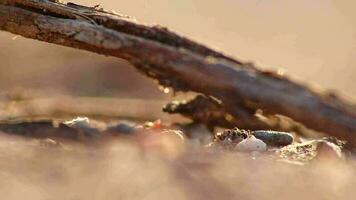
(178, 62)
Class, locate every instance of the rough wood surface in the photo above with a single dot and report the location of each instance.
(208, 111)
(178, 62)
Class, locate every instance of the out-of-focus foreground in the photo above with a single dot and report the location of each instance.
(311, 41)
(161, 166)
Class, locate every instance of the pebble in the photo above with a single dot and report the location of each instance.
(251, 144)
(274, 138)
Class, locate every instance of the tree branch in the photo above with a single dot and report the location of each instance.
(178, 62)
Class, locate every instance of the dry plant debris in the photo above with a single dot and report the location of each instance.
(83, 129)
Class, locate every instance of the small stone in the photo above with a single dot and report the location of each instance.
(251, 144)
(122, 128)
(327, 150)
(274, 138)
(78, 122)
(86, 128)
(170, 143)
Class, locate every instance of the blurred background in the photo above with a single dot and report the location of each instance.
(312, 41)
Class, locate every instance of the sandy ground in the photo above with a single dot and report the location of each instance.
(121, 169)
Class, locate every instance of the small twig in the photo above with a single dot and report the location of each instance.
(209, 111)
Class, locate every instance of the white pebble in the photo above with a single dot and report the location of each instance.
(251, 144)
(78, 122)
